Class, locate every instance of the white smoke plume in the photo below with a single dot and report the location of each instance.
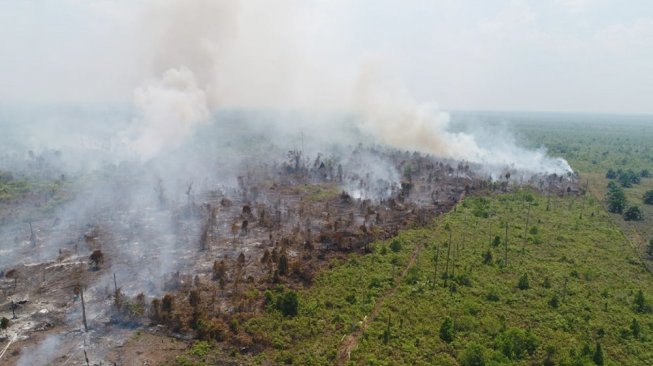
(183, 39)
(214, 54)
(42, 354)
(392, 116)
(171, 108)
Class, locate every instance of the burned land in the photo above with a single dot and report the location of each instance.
(194, 263)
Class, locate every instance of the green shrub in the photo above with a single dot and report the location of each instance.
(616, 198)
(413, 275)
(183, 361)
(375, 283)
(516, 343)
(548, 359)
(640, 302)
(633, 213)
(546, 283)
(200, 349)
(395, 246)
(635, 328)
(598, 355)
(648, 197)
(474, 355)
(288, 303)
(487, 257)
(523, 282)
(463, 280)
(233, 326)
(492, 296)
(447, 330)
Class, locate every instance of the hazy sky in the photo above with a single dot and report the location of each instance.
(556, 55)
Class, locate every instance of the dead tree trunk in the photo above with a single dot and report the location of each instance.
(490, 231)
(435, 269)
(81, 292)
(446, 268)
(453, 260)
(505, 256)
(528, 217)
(464, 234)
(32, 236)
(117, 295)
(189, 200)
(548, 202)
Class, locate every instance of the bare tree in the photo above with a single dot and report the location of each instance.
(81, 293)
(446, 269)
(32, 236)
(505, 257)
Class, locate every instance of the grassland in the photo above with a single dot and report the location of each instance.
(595, 144)
(571, 251)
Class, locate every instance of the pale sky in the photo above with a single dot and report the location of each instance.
(556, 55)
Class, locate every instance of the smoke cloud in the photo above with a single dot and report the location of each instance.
(42, 354)
(171, 107)
(285, 55)
(392, 116)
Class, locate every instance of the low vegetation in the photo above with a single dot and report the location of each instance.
(565, 290)
(614, 157)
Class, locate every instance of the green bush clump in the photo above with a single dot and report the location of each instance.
(288, 303)
(633, 213)
(474, 355)
(523, 282)
(516, 343)
(395, 246)
(200, 349)
(648, 197)
(447, 330)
